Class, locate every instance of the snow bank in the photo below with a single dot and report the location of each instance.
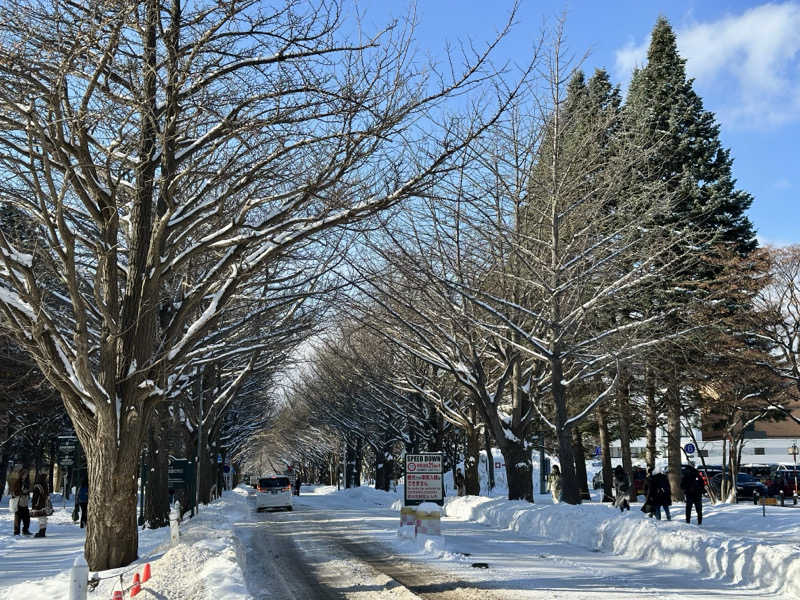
(773, 567)
(205, 564)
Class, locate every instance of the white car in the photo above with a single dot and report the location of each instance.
(273, 491)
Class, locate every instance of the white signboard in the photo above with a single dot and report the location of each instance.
(423, 479)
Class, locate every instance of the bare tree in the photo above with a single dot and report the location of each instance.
(780, 303)
(171, 156)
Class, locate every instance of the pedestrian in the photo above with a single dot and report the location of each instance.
(621, 486)
(297, 483)
(19, 487)
(649, 494)
(82, 498)
(554, 483)
(659, 494)
(692, 486)
(42, 507)
(459, 481)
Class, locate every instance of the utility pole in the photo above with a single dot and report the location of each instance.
(199, 450)
(542, 474)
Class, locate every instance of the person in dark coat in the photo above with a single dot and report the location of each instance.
(459, 481)
(649, 494)
(692, 485)
(621, 487)
(19, 486)
(658, 494)
(83, 500)
(41, 493)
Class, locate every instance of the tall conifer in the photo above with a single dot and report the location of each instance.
(690, 161)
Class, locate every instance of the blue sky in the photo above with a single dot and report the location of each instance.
(744, 56)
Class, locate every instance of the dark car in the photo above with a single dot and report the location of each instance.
(746, 486)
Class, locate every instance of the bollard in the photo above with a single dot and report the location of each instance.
(794, 498)
(78, 579)
(755, 498)
(146, 573)
(781, 497)
(174, 529)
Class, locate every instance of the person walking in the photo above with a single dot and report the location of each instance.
(554, 483)
(19, 486)
(659, 494)
(42, 508)
(621, 487)
(82, 498)
(459, 481)
(692, 486)
(649, 494)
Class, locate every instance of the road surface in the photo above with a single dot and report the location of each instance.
(320, 552)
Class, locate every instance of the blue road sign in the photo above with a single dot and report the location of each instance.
(689, 448)
(597, 451)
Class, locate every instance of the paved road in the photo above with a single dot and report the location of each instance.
(321, 554)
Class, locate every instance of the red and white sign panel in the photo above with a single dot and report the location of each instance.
(423, 478)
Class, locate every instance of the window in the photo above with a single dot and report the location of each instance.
(273, 482)
(759, 451)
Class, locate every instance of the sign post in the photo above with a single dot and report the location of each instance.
(181, 476)
(424, 484)
(423, 479)
(793, 450)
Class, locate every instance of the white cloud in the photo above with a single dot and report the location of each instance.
(782, 184)
(749, 62)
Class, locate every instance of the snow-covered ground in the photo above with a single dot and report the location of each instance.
(536, 550)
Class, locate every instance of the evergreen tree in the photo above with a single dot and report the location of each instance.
(688, 158)
(662, 103)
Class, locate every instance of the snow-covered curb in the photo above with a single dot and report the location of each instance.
(771, 567)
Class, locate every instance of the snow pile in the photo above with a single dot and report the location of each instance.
(773, 567)
(205, 564)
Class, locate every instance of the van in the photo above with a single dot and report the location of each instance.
(273, 491)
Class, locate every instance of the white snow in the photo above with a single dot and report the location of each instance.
(534, 551)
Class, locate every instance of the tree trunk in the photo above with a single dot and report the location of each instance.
(350, 465)
(624, 412)
(472, 483)
(651, 417)
(359, 462)
(605, 449)
(111, 533)
(156, 498)
(519, 472)
(674, 437)
(487, 441)
(380, 469)
(580, 464)
(569, 486)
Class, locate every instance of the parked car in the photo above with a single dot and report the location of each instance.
(273, 491)
(639, 475)
(783, 477)
(746, 486)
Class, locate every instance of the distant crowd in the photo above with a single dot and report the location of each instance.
(657, 491)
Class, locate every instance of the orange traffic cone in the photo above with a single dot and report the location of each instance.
(117, 595)
(136, 587)
(146, 573)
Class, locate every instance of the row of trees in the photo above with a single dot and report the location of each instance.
(188, 171)
(587, 260)
(195, 181)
